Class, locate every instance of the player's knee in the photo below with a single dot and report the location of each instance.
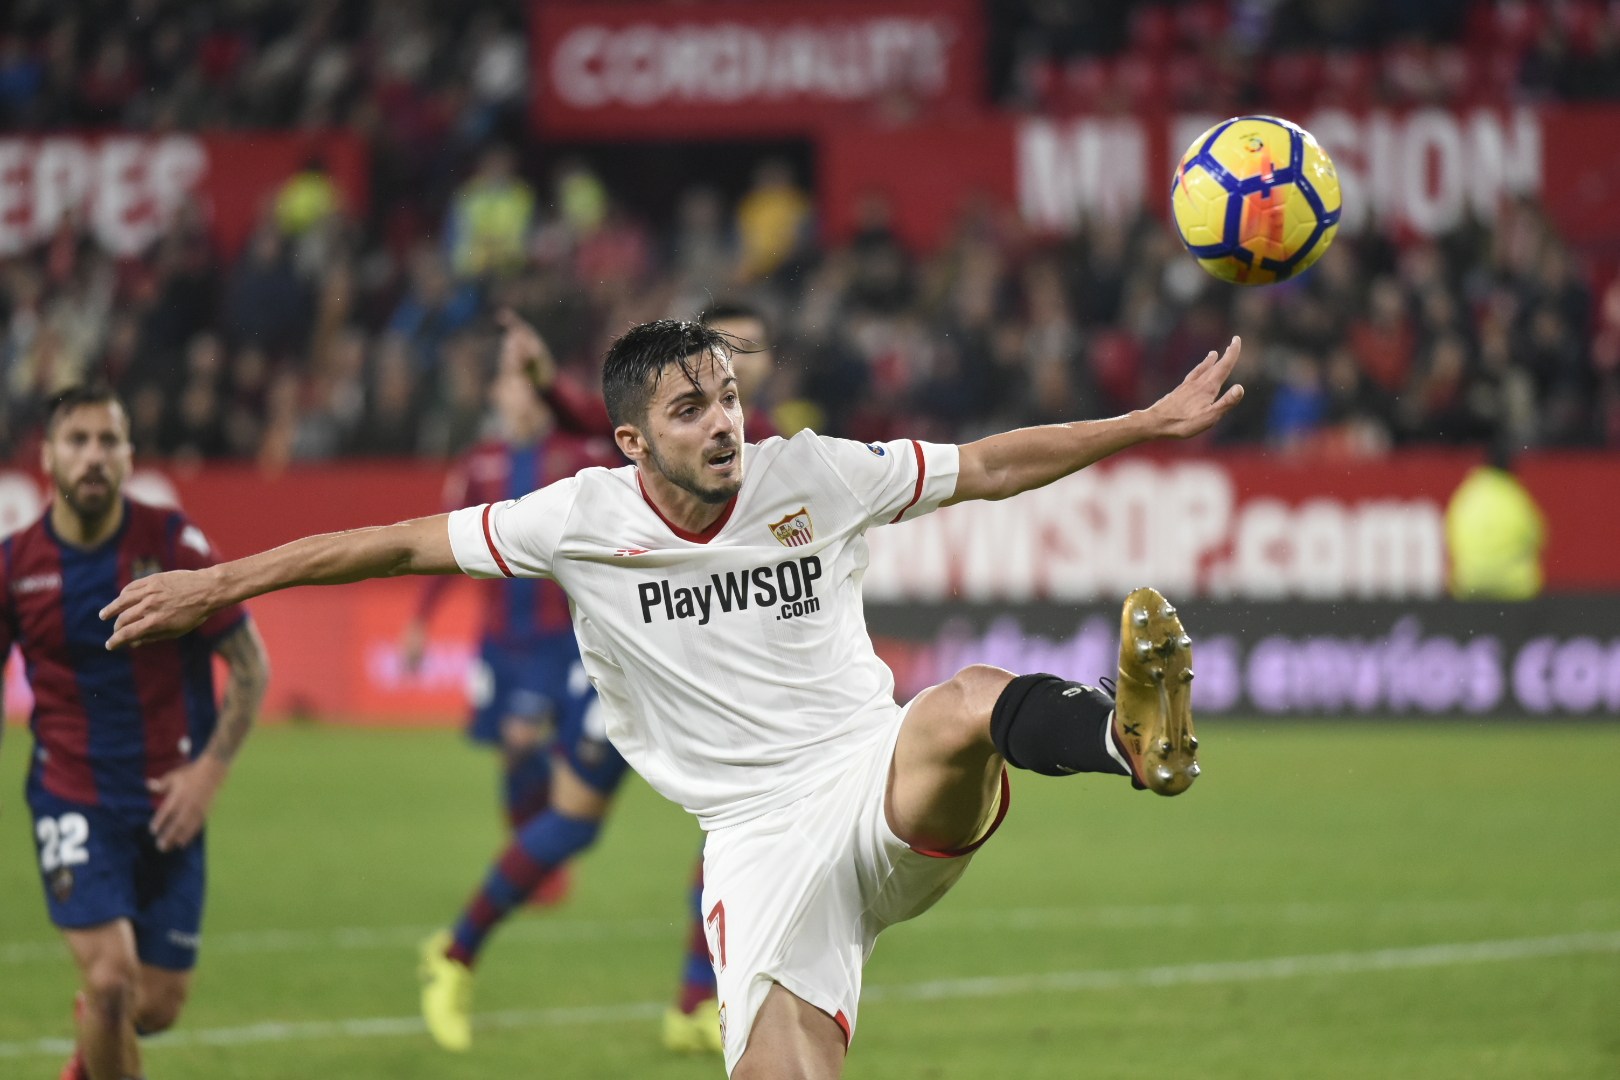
(971, 696)
(111, 983)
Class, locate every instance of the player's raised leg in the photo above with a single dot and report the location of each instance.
(944, 782)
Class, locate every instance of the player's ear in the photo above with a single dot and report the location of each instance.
(632, 443)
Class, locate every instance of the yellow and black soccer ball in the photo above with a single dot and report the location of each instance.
(1256, 200)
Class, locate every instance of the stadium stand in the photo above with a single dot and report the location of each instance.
(338, 332)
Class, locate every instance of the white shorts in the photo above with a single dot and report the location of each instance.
(799, 895)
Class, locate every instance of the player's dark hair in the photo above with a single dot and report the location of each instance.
(91, 393)
(637, 360)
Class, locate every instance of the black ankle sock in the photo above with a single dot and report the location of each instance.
(1055, 727)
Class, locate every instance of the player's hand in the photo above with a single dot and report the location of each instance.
(187, 795)
(1195, 405)
(522, 349)
(157, 607)
(413, 645)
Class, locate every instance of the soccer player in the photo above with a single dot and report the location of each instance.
(528, 684)
(552, 708)
(129, 748)
(717, 604)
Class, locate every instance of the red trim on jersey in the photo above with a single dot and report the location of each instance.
(490, 540)
(158, 670)
(690, 537)
(843, 1022)
(1001, 815)
(922, 473)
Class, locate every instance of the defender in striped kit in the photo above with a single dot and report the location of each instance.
(129, 747)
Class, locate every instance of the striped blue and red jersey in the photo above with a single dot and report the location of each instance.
(517, 610)
(105, 723)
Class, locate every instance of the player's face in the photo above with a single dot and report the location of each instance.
(87, 456)
(694, 434)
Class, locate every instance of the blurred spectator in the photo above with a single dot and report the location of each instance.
(773, 221)
(1300, 405)
(489, 219)
(434, 307)
(266, 305)
(1383, 340)
(307, 199)
(1494, 532)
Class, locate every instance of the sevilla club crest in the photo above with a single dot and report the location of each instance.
(795, 530)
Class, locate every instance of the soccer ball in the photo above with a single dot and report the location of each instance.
(1256, 200)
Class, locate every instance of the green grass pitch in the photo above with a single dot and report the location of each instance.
(333, 850)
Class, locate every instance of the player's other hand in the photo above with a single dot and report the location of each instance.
(157, 607)
(1195, 405)
(186, 794)
(523, 349)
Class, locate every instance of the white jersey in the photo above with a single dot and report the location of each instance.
(735, 666)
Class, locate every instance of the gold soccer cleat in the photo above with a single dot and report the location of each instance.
(1153, 703)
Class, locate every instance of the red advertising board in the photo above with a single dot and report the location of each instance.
(1422, 172)
(771, 67)
(123, 189)
(1248, 525)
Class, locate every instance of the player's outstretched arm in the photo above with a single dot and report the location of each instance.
(1004, 465)
(171, 604)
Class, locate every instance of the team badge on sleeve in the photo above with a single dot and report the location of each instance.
(794, 530)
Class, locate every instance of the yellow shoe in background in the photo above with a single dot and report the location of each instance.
(697, 1032)
(446, 994)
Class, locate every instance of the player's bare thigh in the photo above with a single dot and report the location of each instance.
(791, 1040)
(945, 772)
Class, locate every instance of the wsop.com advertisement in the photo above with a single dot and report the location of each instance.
(1310, 588)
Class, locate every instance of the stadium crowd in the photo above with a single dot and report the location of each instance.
(330, 335)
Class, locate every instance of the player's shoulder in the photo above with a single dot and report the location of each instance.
(840, 454)
(16, 548)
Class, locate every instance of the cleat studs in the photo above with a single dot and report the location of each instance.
(1163, 774)
(1193, 770)
(1184, 641)
(1166, 611)
(1192, 742)
(1144, 650)
(1187, 675)
(1140, 617)
(1164, 746)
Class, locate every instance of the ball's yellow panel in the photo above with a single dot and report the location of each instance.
(1252, 146)
(1323, 176)
(1199, 205)
(1316, 252)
